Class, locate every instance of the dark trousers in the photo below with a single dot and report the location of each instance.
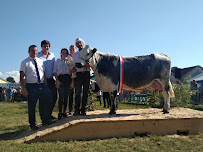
(42, 93)
(81, 81)
(52, 86)
(70, 102)
(64, 91)
(106, 98)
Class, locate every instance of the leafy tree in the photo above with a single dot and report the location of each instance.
(10, 79)
(183, 92)
(92, 102)
(183, 95)
(156, 99)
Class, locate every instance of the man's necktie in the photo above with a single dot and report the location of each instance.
(37, 70)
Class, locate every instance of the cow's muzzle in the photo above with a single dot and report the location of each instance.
(79, 65)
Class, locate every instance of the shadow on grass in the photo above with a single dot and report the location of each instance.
(14, 134)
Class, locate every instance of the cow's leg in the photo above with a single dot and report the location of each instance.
(166, 94)
(113, 103)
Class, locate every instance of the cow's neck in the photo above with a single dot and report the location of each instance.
(99, 64)
(93, 61)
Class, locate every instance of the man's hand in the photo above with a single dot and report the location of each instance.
(87, 65)
(72, 85)
(73, 70)
(58, 83)
(24, 92)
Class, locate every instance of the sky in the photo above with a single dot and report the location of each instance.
(121, 27)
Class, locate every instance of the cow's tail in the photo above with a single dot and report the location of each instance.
(172, 95)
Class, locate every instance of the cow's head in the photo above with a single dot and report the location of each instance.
(85, 55)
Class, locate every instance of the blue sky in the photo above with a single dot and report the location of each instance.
(122, 27)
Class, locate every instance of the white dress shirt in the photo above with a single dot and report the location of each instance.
(60, 67)
(48, 63)
(76, 56)
(28, 67)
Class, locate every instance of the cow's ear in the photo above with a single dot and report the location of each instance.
(94, 50)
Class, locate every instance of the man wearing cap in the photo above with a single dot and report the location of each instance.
(82, 80)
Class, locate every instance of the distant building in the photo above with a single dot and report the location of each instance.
(198, 78)
(178, 74)
(3, 81)
(6, 84)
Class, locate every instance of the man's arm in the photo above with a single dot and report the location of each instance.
(72, 84)
(45, 79)
(58, 83)
(22, 84)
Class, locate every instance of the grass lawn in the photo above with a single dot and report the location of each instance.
(14, 120)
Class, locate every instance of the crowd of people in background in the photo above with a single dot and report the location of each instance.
(7, 94)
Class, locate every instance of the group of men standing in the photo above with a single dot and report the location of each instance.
(41, 76)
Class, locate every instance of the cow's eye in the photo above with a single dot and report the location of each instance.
(88, 53)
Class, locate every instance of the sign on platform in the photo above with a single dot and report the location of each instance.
(139, 98)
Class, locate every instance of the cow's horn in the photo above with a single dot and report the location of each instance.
(94, 50)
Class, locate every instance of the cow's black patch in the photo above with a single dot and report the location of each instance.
(141, 70)
(106, 67)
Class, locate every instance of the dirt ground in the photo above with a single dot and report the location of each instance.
(102, 115)
(150, 113)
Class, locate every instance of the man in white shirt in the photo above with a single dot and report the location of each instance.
(49, 59)
(32, 73)
(82, 80)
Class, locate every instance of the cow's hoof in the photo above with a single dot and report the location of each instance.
(112, 112)
(165, 111)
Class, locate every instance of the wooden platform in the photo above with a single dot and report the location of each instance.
(126, 123)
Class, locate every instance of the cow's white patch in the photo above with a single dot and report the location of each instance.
(115, 63)
(104, 83)
(162, 56)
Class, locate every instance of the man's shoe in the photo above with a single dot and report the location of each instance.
(64, 115)
(34, 127)
(83, 113)
(59, 116)
(52, 117)
(76, 113)
(48, 122)
(112, 112)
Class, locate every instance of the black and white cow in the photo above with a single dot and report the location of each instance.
(140, 72)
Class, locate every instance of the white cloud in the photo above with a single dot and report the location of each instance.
(14, 74)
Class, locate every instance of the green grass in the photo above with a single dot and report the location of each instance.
(195, 107)
(14, 120)
(150, 143)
